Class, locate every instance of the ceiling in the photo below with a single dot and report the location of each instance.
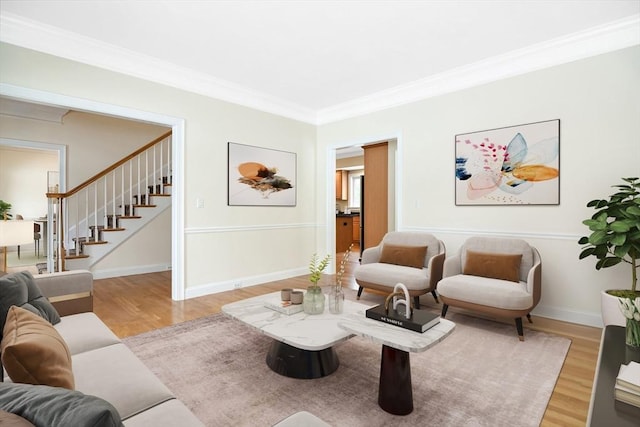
(321, 61)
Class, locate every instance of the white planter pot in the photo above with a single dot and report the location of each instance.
(611, 313)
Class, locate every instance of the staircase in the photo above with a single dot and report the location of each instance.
(90, 221)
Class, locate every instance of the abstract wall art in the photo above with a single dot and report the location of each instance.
(260, 176)
(515, 165)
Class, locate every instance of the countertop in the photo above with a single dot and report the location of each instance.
(342, 215)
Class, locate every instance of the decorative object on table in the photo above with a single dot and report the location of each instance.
(297, 297)
(260, 176)
(627, 387)
(631, 310)
(314, 298)
(615, 238)
(336, 294)
(401, 314)
(285, 294)
(513, 165)
(285, 307)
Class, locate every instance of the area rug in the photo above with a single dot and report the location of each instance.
(481, 375)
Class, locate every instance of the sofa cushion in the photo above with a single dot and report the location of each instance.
(116, 375)
(171, 413)
(493, 266)
(484, 291)
(33, 352)
(383, 274)
(57, 407)
(85, 332)
(20, 289)
(409, 256)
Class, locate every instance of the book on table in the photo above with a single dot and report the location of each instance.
(627, 388)
(285, 307)
(419, 321)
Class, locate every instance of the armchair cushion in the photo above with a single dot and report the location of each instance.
(494, 266)
(33, 352)
(410, 256)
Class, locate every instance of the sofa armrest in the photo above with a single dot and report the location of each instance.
(371, 255)
(452, 266)
(70, 292)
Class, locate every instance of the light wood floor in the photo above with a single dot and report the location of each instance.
(135, 304)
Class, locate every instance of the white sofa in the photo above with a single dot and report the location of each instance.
(104, 367)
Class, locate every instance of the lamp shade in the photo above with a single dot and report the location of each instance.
(14, 233)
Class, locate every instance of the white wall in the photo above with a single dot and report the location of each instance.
(23, 179)
(598, 103)
(224, 245)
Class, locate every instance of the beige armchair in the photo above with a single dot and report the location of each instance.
(499, 277)
(414, 259)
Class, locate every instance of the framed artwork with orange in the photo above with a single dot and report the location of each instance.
(515, 165)
(259, 176)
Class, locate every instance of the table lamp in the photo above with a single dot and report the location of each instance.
(13, 233)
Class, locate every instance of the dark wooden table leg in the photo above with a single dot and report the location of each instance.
(304, 364)
(395, 394)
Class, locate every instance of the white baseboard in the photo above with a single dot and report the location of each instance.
(243, 282)
(559, 313)
(129, 271)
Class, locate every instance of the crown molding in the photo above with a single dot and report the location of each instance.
(29, 34)
(613, 36)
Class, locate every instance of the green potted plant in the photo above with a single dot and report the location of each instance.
(615, 239)
(313, 301)
(4, 210)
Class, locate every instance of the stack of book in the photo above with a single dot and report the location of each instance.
(628, 384)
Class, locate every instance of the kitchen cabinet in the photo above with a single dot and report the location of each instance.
(344, 233)
(356, 228)
(342, 185)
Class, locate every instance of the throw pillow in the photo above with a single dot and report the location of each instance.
(410, 256)
(494, 266)
(20, 289)
(33, 352)
(57, 407)
(7, 419)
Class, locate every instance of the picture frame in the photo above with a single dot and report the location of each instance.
(258, 176)
(514, 165)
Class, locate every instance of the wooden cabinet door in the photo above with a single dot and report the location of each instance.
(344, 233)
(376, 193)
(356, 228)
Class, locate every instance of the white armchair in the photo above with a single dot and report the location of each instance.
(496, 276)
(414, 259)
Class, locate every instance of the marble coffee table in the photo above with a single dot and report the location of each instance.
(395, 394)
(303, 344)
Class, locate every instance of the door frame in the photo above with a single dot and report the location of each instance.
(395, 198)
(177, 125)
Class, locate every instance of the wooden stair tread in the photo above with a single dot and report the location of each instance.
(144, 206)
(131, 217)
(99, 242)
(76, 256)
(160, 195)
(114, 229)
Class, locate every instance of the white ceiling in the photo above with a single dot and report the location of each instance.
(320, 61)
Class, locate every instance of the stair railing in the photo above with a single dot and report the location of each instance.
(82, 215)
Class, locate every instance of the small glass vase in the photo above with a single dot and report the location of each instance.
(313, 301)
(633, 333)
(336, 300)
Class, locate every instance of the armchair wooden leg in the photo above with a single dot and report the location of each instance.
(359, 292)
(435, 296)
(519, 328)
(416, 302)
(529, 318)
(444, 310)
